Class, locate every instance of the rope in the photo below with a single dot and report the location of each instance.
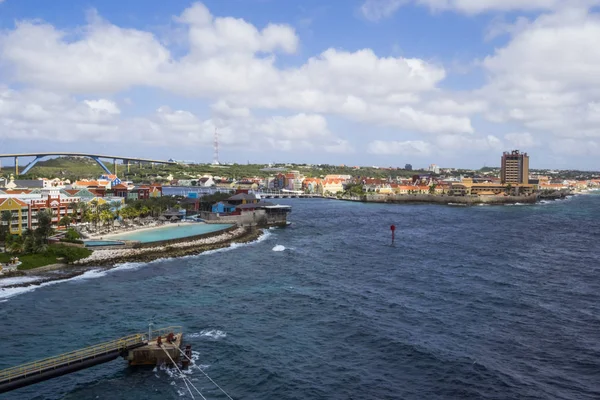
(205, 374)
(185, 379)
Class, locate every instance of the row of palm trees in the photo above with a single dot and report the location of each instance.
(107, 213)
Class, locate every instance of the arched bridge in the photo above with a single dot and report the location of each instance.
(95, 157)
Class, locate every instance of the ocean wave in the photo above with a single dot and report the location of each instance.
(6, 293)
(18, 280)
(211, 333)
(279, 248)
(266, 234)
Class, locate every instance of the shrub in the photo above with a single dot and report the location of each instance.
(71, 235)
(69, 253)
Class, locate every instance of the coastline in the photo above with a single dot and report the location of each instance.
(443, 199)
(107, 259)
(183, 248)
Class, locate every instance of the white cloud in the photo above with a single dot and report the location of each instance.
(40, 115)
(547, 78)
(224, 110)
(213, 36)
(107, 59)
(103, 105)
(375, 10)
(232, 63)
(521, 140)
(573, 147)
(407, 148)
(456, 107)
(378, 9)
(339, 146)
(464, 144)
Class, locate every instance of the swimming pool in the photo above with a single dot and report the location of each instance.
(169, 232)
(93, 243)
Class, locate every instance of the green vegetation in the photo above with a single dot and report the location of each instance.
(52, 255)
(74, 168)
(353, 190)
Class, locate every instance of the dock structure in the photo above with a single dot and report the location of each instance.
(149, 348)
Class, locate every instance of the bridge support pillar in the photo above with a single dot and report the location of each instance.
(127, 162)
(101, 164)
(115, 165)
(16, 166)
(152, 165)
(31, 164)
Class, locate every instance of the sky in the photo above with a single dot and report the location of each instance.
(355, 82)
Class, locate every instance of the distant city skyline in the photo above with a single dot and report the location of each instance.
(358, 82)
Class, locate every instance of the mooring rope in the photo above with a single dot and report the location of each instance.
(185, 379)
(205, 374)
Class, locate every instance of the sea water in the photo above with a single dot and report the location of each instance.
(470, 302)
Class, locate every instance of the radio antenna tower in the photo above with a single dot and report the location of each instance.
(216, 144)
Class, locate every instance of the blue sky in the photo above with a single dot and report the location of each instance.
(365, 82)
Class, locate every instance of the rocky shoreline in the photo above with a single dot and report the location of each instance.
(109, 258)
(185, 248)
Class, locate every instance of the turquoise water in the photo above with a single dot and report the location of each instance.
(176, 231)
(93, 243)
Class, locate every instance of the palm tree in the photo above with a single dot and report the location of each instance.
(106, 216)
(16, 245)
(73, 206)
(44, 229)
(65, 221)
(116, 208)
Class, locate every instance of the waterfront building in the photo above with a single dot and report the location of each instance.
(333, 185)
(223, 207)
(242, 198)
(19, 214)
(339, 177)
(469, 187)
(312, 185)
(155, 190)
(25, 204)
(515, 168)
(120, 190)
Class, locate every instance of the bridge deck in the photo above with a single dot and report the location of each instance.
(40, 366)
(37, 371)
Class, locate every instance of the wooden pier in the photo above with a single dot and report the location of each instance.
(138, 349)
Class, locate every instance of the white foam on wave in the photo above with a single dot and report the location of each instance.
(18, 280)
(279, 248)
(211, 333)
(6, 293)
(266, 234)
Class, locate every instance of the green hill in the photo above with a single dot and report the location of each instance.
(74, 168)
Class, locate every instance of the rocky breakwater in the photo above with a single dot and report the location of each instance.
(107, 257)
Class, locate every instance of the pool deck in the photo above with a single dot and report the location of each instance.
(118, 232)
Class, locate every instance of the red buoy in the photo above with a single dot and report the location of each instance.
(393, 229)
